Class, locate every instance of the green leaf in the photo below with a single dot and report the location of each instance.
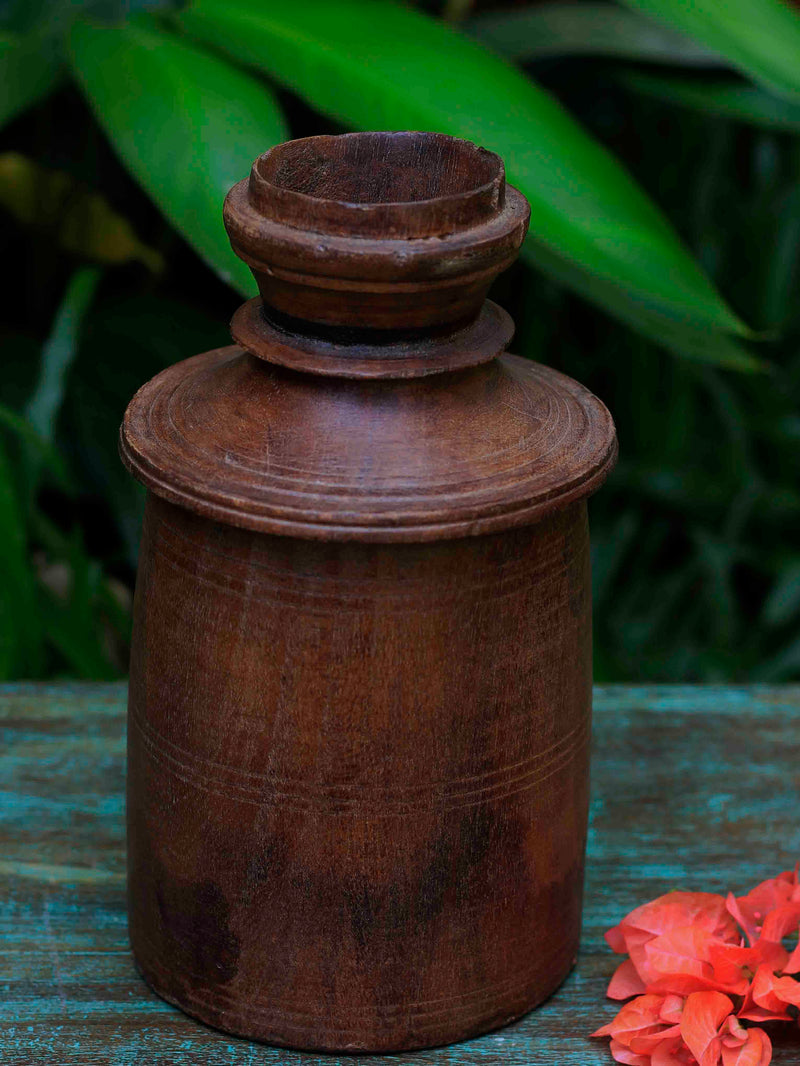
(609, 550)
(783, 602)
(759, 37)
(703, 344)
(59, 352)
(21, 639)
(29, 71)
(779, 284)
(55, 16)
(730, 98)
(186, 123)
(71, 618)
(785, 666)
(556, 28)
(79, 220)
(100, 389)
(42, 448)
(377, 64)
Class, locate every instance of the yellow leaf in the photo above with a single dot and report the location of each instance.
(81, 221)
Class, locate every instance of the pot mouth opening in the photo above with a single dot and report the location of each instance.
(391, 184)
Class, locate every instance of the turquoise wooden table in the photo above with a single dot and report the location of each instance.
(693, 788)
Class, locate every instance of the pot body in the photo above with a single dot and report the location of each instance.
(358, 777)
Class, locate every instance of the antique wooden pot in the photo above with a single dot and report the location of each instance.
(360, 687)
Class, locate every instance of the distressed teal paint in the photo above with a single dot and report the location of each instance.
(692, 787)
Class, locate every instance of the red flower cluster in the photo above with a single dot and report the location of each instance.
(699, 965)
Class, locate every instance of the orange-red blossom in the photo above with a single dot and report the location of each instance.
(699, 965)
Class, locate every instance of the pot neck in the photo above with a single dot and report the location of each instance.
(373, 253)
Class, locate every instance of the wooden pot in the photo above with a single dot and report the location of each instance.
(361, 674)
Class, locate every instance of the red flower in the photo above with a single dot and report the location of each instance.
(730, 960)
(626, 982)
(793, 964)
(640, 1027)
(698, 1031)
(704, 910)
(698, 965)
(768, 997)
(673, 1053)
(668, 942)
(744, 1047)
(703, 1016)
(682, 962)
(751, 911)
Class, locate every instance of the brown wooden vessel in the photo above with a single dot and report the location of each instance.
(361, 675)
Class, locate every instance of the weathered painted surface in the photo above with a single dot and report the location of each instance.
(693, 787)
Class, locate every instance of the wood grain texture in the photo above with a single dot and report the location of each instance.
(692, 788)
(358, 778)
(361, 660)
(360, 354)
(476, 451)
(386, 230)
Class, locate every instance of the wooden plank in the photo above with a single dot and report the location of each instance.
(693, 787)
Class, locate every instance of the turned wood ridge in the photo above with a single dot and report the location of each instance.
(373, 253)
(361, 673)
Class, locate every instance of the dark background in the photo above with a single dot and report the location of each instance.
(695, 536)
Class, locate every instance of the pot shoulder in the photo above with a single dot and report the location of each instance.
(258, 446)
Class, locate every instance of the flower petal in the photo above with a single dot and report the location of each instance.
(745, 920)
(780, 922)
(621, 1054)
(732, 1032)
(678, 962)
(615, 938)
(680, 951)
(684, 984)
(672, 1053)
(751, 910)
(626, 982)
(641, 1014)
(671, 1009)
(792, 965)
(704, 910)
(750, 1013)
(762, 1002)
(755, 1051)
(646, 1043)
(787, 990)
(734, 965)
(703, 1014)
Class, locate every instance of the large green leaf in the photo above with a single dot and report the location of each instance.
(730, 98)
(59, 352)
(186, 123)
(376, 64)
(55, 16)
(43, 449)
(29, 70)
(760, 37)
(582, 28)
(693, 342)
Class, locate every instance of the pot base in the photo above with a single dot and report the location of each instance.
(396, 1036)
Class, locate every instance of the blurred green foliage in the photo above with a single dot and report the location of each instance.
(659, 179)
